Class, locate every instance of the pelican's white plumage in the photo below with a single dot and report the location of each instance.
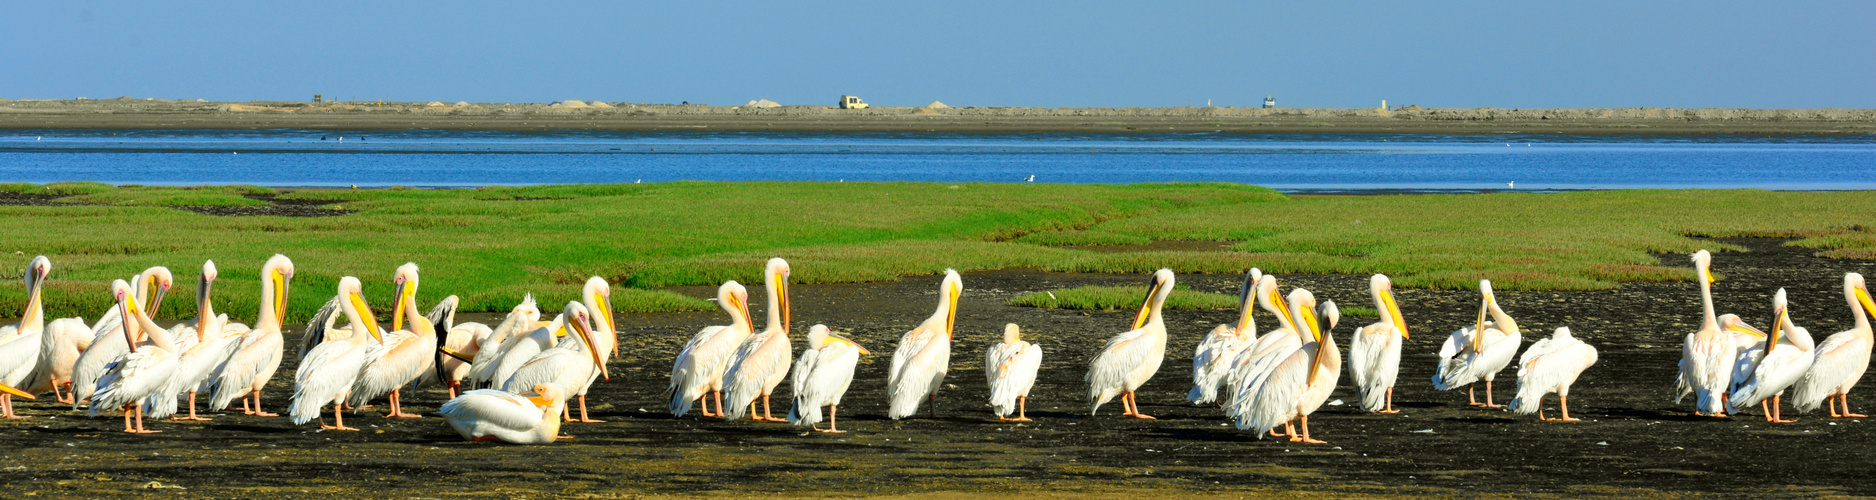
(574, 363)
(328, 371)
(522, 320)
(1212, 360)
(1374, 350)
(458, 344)
(1786, 360)
(1480, 351)
(1010, 368)
(63, 341)
(1301, 379)
(206, 345)
(924, 354)
(698, 370)
(148, 367)
(822, 376)
(22, 344)
(1840, 361)
(1550, 366)
(107, 341)
(1131, 358)
(1708, 355)
(761, 362)
(257, 354)
(596, 295)
(492, 415)
(408, 350)
(1258, 356)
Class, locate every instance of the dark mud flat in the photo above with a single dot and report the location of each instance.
(1633, 439)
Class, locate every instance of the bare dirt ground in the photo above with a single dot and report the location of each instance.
(128, 112)
(1633, 440)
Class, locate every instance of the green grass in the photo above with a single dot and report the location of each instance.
(1357, 312)
(493, 245)
(1111, 298)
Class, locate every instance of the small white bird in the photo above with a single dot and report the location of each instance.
(1131, 358)
(1032, 178)
(1551, 365)
(924, 354)
(1010, 368)
(822, 376)
(492, 415)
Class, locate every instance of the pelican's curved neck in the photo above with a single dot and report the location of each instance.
(778, 294)
(1505, 323)
(34, 319)
(270, 295)
(157, 335)
(1856, 309)
(1381, 306)
(1283, 317)
(1710, 321)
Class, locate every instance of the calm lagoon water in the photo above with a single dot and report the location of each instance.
(1316, 162)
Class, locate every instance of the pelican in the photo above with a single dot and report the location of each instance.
(1551, 365)
(698, 371)
(1131, 358)
(1286, 336)
(822, 376)
(408, 351)
(1708, 354)
(328, 371)
(1010, 368)
(518, 349)
(61, 344)
(151, 286)
(1480, 351)
(20, 344)
(205, 346)
(1842, 358)
(457, 348)
(258, 353)
(597, 297)
(1211, 361)
(761, 363)
(1374, 352)
(143, 372)
(924, 354)
(522, 319)
(1785, 361)
(1300, 381)
(492, 415)
(565, 365)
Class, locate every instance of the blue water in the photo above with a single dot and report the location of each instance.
(1300, 162)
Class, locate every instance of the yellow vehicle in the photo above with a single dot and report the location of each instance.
(851, 102)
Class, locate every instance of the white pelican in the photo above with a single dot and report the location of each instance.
(697, 373)
(328, 371)
(1551, 365)
(1470, 356)
(20, 344)
(1708, 354)
(924, 355)
(1300, 381)
(1211, 361)
(257, 356)
(150, 286)
(492, 415)
(457, 347)
(143, 372)
(1010, 368)
(1842, 358)
(521, 320)
(205, 346)
(574, 363)
(1777, 368)
(1285, 337)
(408, 351)
(1131, 358)
(1374, 350)
(822, 376)
(761, 363)
(597, 296)
(521, 349)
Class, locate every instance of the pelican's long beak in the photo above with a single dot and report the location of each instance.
(454, 354)
(856, 345)
(586, 337)
(951, 317)
(536, 398)
(1146, 306)
(1745, 328)
(605, 314)
(1862, 297)
(1393, 312)
(16, 392)
(1478, 332)
(125, 309)
(1282, 306)
(744, 307)
(1315, 331)
(157, 303)
(364, 313)
(201, 320)
(397, 307)
(280, 294)
(788, 313)
(1778, 326)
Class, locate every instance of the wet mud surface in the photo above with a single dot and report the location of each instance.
(1633, 439)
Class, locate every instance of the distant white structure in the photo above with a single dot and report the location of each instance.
(1270, 102)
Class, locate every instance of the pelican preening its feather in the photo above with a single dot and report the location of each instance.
(1212, 360)
(1480, 351)
(148, 289)
(924, 354)
(822, 376)
(1550, 366)
(1010, 368)
(1131, 358)
(1374, 350)
(1786, 358)
(150, 364)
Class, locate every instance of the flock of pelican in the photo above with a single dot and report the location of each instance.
(529, 370)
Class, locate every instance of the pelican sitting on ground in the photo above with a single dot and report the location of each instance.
(1551, 365)
(128, 381)
(408, 351)
(492, 415)
(257, 356)
(1300, 381)
(1708, 354)
(1841, 360)
(1211, 361)
(822, 376)
(697, 373)
(329, 370)
(21, 344)
(1131, 358)
(205, 346)
(457, 348)
(523, 319)
(1374, 352)
(761, 363)
(924, 355)
(1480, 351)
(571, 364)
(1787, 358)
(150, 286)
(1010, 368)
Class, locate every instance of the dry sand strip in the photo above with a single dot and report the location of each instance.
(125, 112)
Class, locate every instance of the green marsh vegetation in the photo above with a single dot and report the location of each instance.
(493, 245)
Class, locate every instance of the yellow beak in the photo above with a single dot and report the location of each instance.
(1393, 312)
(1745, 328)
(951, 318)
(586, 337)
(364, 313)
(1478, 332)
(1862, 296)
(1146, 306)
(16, 392)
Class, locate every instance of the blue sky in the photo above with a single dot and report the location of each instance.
(996, 53)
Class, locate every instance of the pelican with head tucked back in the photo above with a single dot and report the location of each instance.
(1300, 380)
(257, 355)
(328, 371)
(408, 352)
(1211, 361)
(522, 320)
(761, 362)
(20, 344)
(144, 371)
(924, 355)
(1786, 358)
(1842, 358)
(697, 373)
(1480, 351)
(822, 376)
(1551, 365)
(1131, 358)
(1374, 352)
(457, 345)
(148, 288)
(574, 363)
(1010, 368)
